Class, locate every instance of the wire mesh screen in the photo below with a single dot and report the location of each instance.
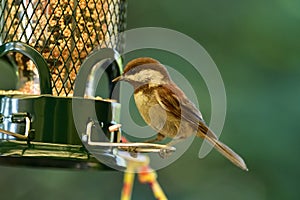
(64, 32)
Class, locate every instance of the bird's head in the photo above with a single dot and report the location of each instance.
(142, 71)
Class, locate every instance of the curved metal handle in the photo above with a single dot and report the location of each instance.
(109, 60)
(36, 57)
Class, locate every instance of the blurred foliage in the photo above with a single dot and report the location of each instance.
(256, 47)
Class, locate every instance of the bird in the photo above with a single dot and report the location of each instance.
(165, 107)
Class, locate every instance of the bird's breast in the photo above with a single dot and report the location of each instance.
(144, 101)
(149, 107)
(154, 115)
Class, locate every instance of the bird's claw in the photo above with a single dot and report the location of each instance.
(132, 151)
(165, 153)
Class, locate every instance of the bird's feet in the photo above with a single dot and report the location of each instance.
(133, 152)
(166, 152)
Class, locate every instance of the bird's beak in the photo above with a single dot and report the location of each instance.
(119, 78)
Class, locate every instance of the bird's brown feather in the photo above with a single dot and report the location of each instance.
(138, 62)
(182, 108)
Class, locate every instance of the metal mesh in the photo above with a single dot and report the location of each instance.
(63, 31)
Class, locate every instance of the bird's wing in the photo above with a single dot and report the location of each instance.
(174, 101)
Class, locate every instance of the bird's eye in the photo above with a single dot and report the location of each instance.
(131, 72)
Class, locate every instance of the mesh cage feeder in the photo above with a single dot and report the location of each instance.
(48, 42)
(64, 32)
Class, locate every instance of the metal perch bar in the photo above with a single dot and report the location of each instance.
(138, 147)
(135, 147)
(16, 135)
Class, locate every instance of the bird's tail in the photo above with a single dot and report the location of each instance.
(223, 149)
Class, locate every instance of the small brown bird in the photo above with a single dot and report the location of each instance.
(164, 106)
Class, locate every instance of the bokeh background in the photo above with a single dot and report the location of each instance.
(256, 46)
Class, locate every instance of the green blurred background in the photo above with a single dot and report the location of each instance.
(256, 46)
